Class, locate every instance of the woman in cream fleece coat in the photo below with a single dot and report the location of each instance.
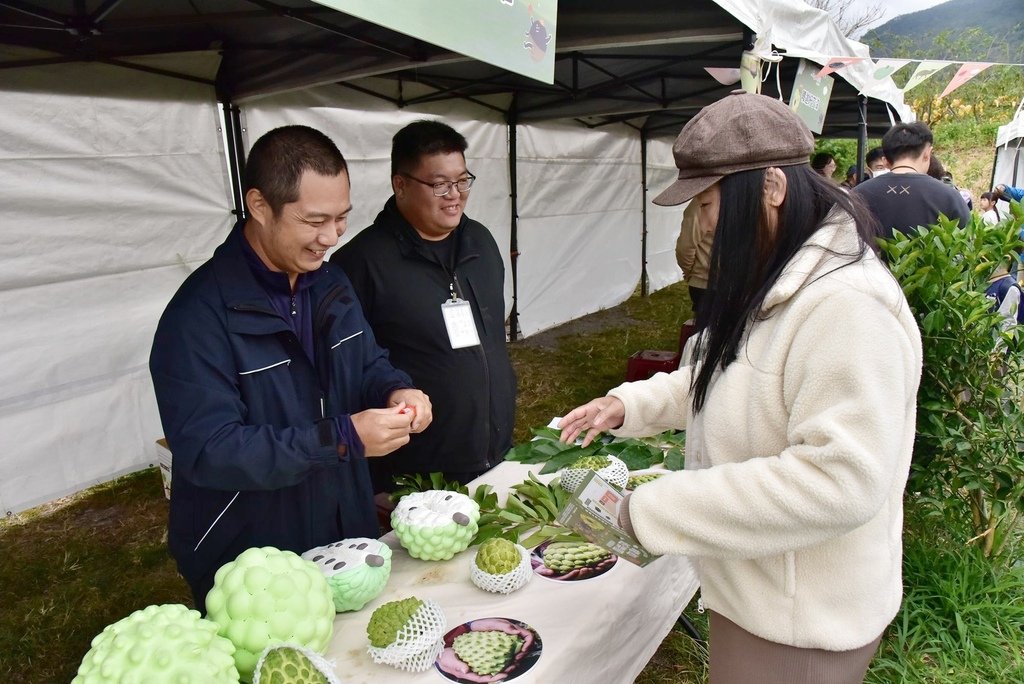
(799, 405)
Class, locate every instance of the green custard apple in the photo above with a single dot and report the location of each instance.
(486, 653)
(611, 469)
(566, 556)
(389, 619)
(166, 643)
(590, 463)
(436, 524)
(356, 570)
(292, 665)
(635, 481)
(267, 597)
(498, 556)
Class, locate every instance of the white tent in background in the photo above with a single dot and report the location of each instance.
(119, 131)
(1009, 162)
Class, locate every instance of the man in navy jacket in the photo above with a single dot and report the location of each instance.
(272, 389)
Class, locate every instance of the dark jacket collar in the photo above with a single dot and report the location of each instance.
(409, 242)
(239, 283)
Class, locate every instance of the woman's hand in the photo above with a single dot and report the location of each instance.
(597, 415)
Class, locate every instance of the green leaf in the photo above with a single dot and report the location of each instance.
(674, 459)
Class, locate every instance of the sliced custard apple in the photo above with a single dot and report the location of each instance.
(498, 556)
(486, 653)
(566, 556)
(389, 619)
(286, 665)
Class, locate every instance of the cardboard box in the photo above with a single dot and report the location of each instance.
(163, 455)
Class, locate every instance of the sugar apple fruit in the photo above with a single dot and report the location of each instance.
(356, 570)
(566, 556)
(389, 619)
(498, 556)
(166, 643)
(590, 463)
(266, 597)
(610, 468)
(292, 665)
(486, 653)
(436, 524)
(635, 481)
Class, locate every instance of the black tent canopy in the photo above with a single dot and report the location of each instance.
(639, 63)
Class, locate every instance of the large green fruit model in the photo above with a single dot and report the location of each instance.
(356, 570)
(267, 597)
(167, 643)
(436, 524)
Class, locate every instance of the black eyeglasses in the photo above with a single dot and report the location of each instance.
(442, 188)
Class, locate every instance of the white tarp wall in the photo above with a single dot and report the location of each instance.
(1009, 164)
(662, 222)
(579, 194)
(112, 189)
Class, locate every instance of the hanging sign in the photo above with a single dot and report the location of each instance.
(811, 95)
(511, 34)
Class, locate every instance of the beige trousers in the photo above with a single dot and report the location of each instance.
(739, 657)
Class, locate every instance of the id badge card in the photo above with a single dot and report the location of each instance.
(458, 319)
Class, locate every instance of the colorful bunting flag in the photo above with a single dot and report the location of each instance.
(924, 70)
(837, 63)
(724, 75)
(967, 71)
(884, 68)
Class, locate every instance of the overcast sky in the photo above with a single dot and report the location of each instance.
(893, 8)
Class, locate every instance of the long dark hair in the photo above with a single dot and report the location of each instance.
(746, 261)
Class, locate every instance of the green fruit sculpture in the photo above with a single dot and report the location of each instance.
(167, 643)
(356, 570)
(436, 524)
(497, 556)
(267, 597)
(610, 469)
(486, 653)
(292, 665)
(566, 556)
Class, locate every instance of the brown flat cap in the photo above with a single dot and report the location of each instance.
(740, 132)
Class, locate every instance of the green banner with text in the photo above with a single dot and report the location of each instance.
(512, 34)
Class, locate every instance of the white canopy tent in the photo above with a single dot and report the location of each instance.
(114, 186)
(1009, 163)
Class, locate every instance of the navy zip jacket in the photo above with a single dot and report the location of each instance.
(258, 457)
(401, 284)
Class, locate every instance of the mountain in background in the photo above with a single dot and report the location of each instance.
(998, 34)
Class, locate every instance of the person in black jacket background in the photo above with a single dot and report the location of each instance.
(271, 388)
(431, 282)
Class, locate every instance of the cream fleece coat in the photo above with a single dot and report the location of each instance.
(792, 501)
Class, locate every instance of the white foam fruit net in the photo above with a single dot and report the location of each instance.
(615, 473)
(507, 582)
(419, 642)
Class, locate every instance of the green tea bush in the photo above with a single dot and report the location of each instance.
(970, 425)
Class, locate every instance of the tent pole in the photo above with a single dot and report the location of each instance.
(644, 284)
(862, 134)
(236, 156)
(513, 120)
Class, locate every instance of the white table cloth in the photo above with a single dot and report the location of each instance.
(603, 629)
